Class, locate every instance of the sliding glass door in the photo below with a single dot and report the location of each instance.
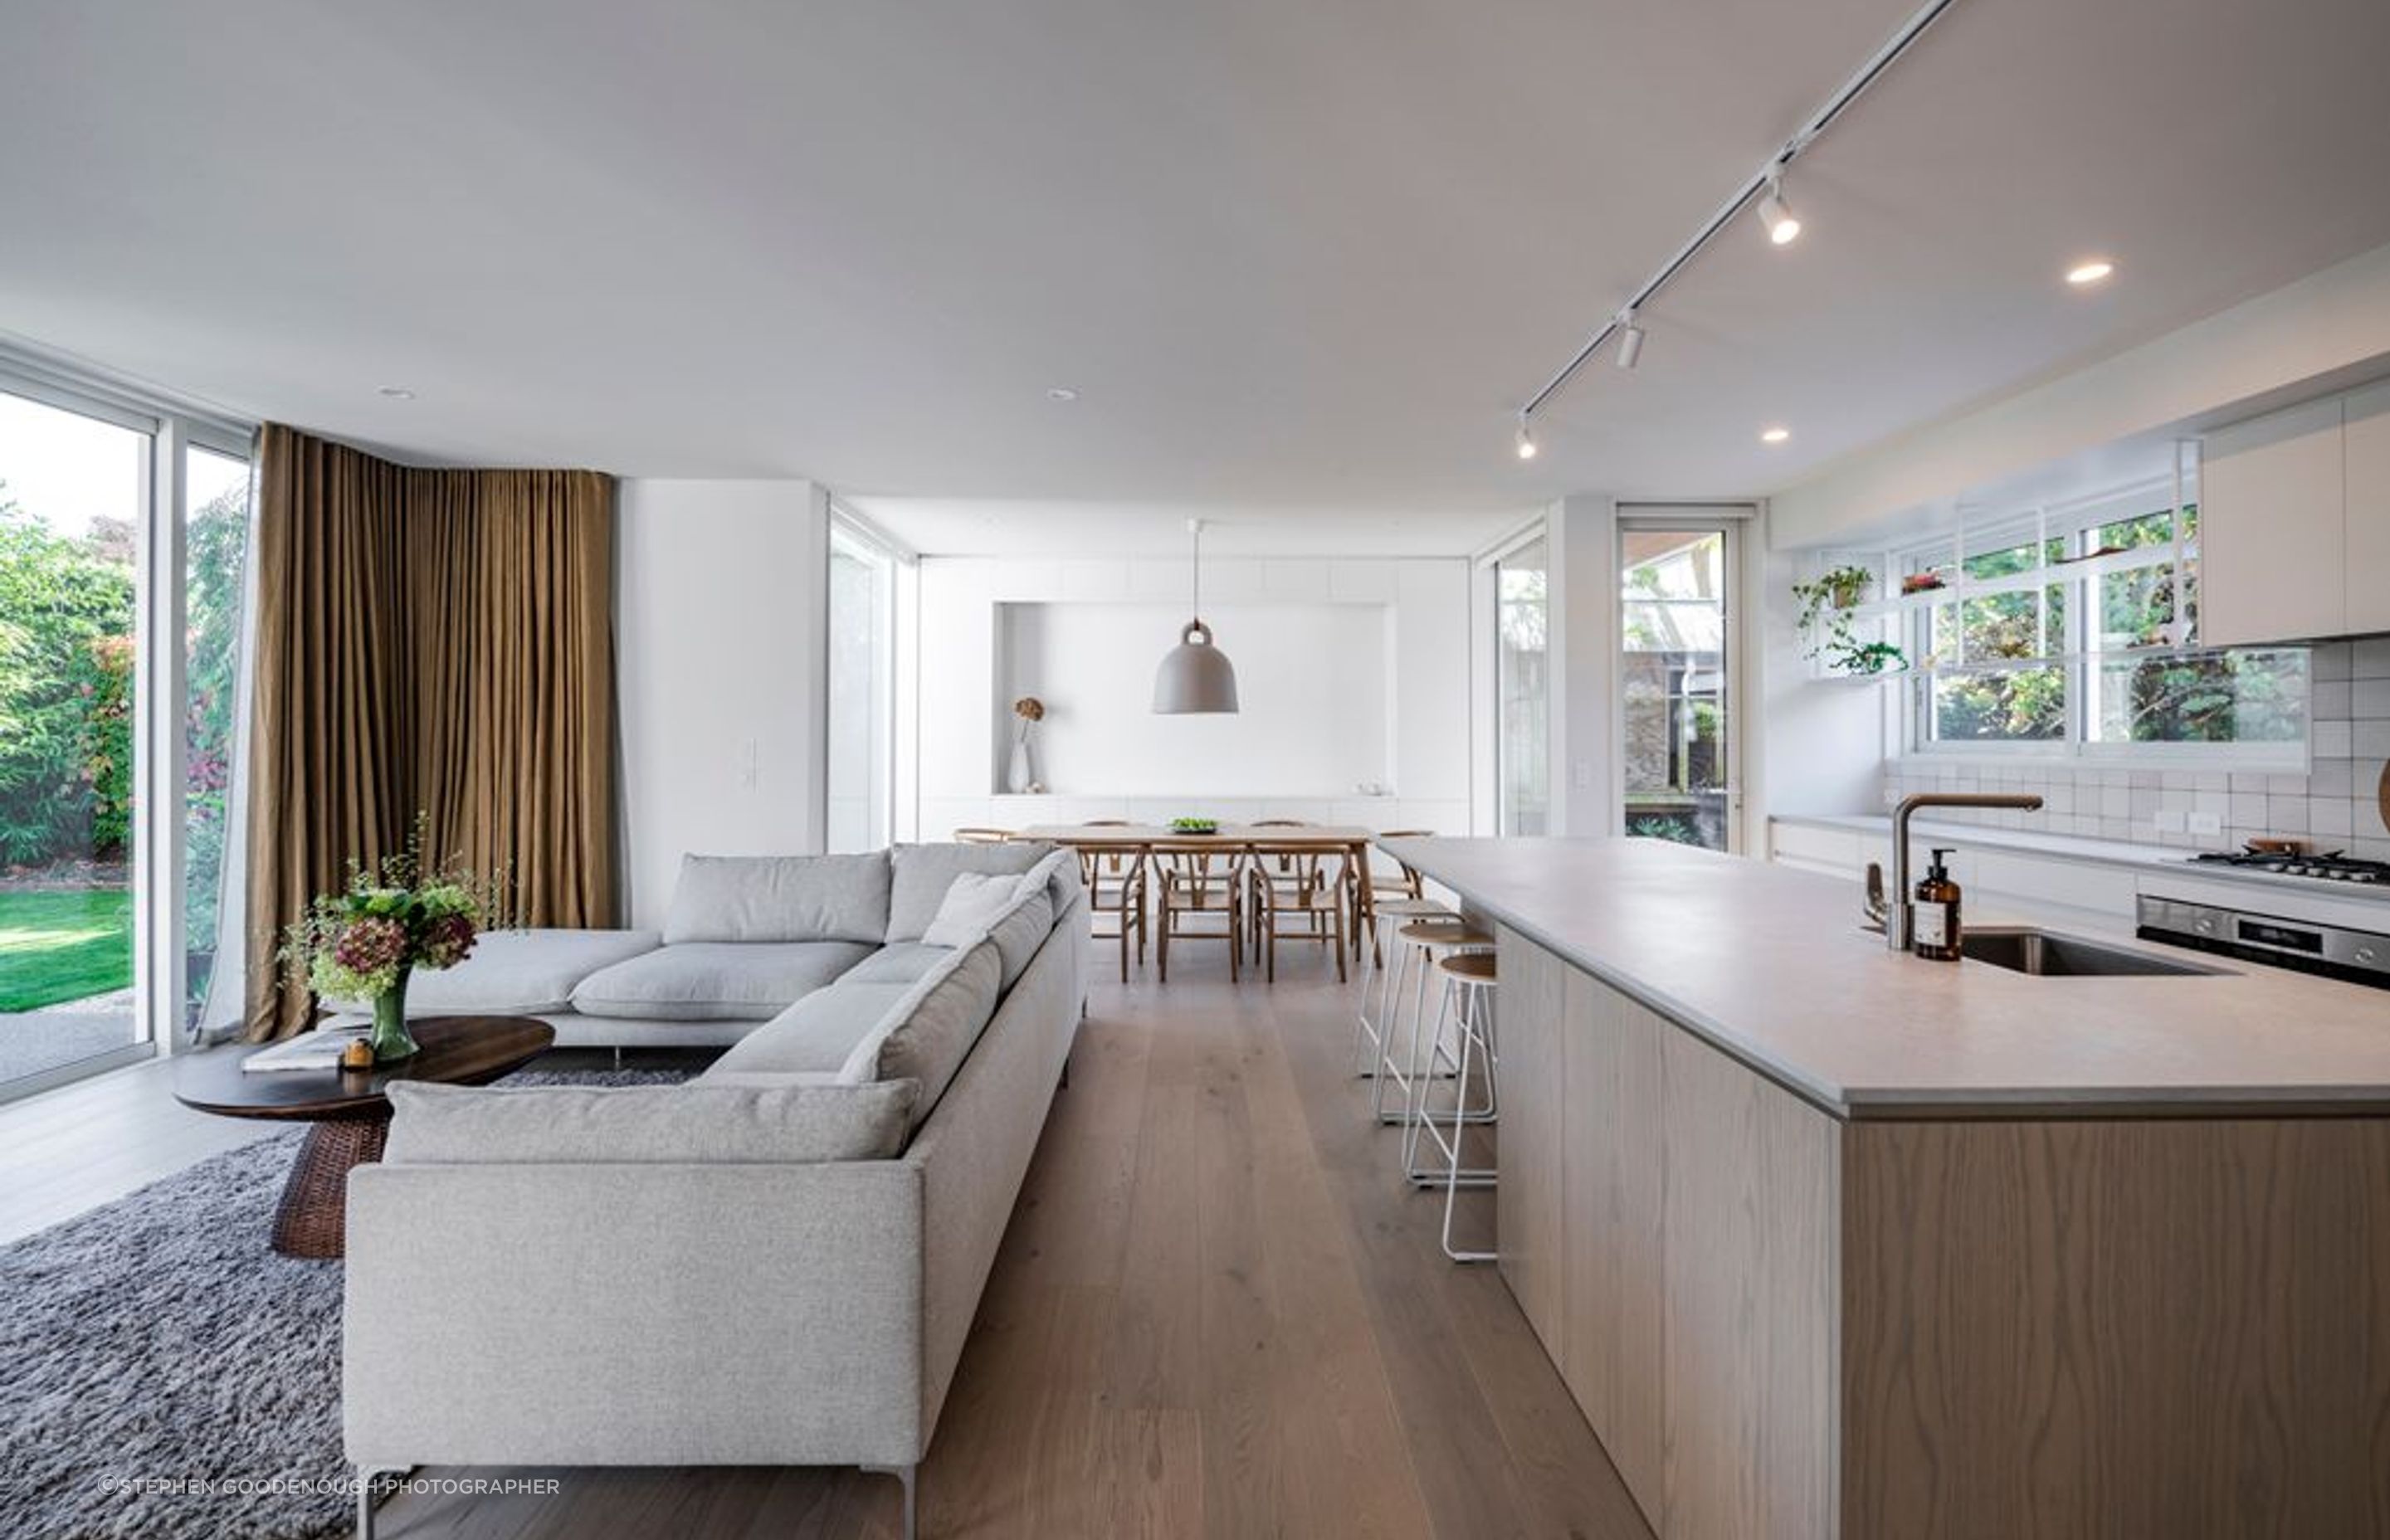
(119, 526)
(215, 544)
(74, 493)
(1680, 742)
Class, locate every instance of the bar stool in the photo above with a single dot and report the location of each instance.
(1419, 943)
(1468, 983)
(1368, 1037)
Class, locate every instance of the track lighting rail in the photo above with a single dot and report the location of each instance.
(1759, 184)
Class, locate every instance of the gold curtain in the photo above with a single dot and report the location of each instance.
(428, 642)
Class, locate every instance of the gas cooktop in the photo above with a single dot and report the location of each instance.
(2333, 867)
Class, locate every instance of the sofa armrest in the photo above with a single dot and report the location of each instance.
(633, 1314)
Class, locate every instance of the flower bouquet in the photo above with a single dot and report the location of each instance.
(364, 942)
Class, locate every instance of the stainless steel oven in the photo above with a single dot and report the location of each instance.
(2359, 956)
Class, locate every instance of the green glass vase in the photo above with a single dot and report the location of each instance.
(390, 1039)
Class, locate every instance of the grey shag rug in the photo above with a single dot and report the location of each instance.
(166, 1375)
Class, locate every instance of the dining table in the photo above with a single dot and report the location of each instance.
(1348, 841)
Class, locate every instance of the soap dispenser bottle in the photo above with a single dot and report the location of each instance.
(1934, 922)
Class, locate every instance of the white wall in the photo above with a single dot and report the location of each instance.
(718, 633)
(1314, 689)
(1402, 684)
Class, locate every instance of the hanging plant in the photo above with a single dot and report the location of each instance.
(1826, 622)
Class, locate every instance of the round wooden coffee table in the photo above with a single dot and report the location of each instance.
(349, 1112)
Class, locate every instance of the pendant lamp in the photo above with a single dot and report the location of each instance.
(1195, 675)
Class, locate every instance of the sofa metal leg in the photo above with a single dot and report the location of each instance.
(367, 1475)
(1064, 1084)
(618, 1058)
(905, 1473)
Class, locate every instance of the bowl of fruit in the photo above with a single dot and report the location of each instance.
(1194, 826)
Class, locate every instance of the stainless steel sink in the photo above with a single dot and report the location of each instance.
(2054, 956)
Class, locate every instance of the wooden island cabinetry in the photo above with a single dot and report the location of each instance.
(1827, 1242)
(1786, 1323)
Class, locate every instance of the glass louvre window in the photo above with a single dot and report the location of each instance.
(2086, 642)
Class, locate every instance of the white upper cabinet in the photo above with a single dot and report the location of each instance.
(2273, 530)
(2366, 442)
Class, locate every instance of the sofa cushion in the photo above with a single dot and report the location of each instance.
(815, 1036)
(433, 1124)
(932, 1030)
(901, 962)
(973, 905)
(780, 898)
(1021, 932)
(716, 981)
(1058, 873)
(514, 974)
(919, 876)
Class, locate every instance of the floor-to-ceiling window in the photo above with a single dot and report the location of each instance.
(860, 774)
(73, 499)
(1678, 742)
(1523, 769)
(96, 722)
(215, 542)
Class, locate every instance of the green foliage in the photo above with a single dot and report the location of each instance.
(1664, 826)
(1826, 625)
(214, 541)
(66, 621)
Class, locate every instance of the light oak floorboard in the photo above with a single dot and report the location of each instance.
(1219, 1313)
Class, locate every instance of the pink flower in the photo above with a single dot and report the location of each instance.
(447, 942)
(369, 944)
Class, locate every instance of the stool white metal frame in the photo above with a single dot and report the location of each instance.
(1422, 939)
(1368, 1024)
(1474, 992)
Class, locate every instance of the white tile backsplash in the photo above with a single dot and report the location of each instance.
(2335, 805)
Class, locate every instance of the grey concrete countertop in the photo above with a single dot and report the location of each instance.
(1771, 966)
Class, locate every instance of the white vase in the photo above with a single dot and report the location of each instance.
(1016, 779)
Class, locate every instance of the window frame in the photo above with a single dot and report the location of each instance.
(2077, 652)
(172, 428)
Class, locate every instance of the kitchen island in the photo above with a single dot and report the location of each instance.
(1829, 1240)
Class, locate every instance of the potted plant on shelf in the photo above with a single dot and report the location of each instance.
(1826, 622)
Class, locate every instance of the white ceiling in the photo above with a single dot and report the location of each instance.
(1300, 260)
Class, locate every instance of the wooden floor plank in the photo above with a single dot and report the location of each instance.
(1219, 1310)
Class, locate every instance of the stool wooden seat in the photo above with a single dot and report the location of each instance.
(1478, 966)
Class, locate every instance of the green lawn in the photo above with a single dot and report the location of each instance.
(55, 946)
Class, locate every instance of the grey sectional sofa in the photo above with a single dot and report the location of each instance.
(776, 1264)
(745, 938)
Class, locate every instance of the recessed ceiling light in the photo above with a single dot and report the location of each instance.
(2088, 272)
(398, 392)
(1774, 435)
(1062, 393)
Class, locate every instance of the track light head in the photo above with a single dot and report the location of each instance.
(1777, 215)
(1525, 440)
(1630, 340)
